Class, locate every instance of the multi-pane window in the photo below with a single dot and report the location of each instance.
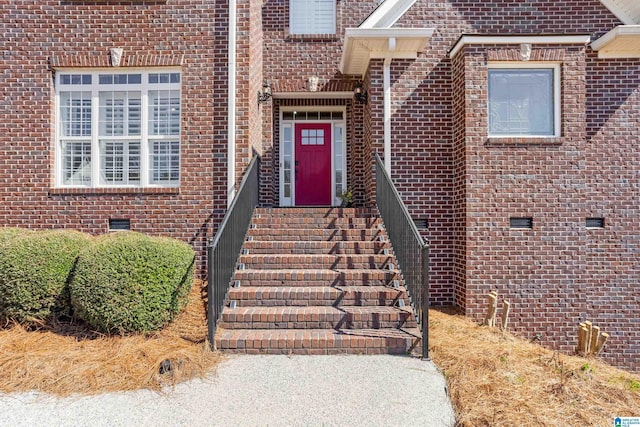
(312, 137)
(524, 101)
(312, 16)
(118, 129)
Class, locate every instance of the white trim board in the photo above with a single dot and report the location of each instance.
(387, 14)
(515, 40)
(621, 42)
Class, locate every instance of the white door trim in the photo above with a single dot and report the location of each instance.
(289, 123)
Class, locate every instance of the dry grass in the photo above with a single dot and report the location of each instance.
(63, 359)
(496, 379)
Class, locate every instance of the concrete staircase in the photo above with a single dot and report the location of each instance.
(317, 281)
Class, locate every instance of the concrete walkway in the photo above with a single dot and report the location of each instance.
(262, 391)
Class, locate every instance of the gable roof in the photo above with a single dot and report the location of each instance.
(627, 11)
(387, 13)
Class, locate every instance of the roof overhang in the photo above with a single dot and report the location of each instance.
(363, 44)
(627, 11)
(532, 40)
(387, 14)
(621, 42)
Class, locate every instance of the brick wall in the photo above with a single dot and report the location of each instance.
(35, 32)
(467, 187)
(559, 273)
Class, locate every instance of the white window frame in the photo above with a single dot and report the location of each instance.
(311, 18)
(145, 138)
(557, 102)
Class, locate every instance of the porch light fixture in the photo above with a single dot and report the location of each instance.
(361, 96)
(265, 94)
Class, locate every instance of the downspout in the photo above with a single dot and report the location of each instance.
(231, 125)
(386, 82)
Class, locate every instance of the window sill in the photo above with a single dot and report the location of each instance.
(61, 191)
(523, 140)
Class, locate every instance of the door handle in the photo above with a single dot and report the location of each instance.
(297, 162)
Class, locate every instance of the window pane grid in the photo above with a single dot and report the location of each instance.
(120, 162)
(312, 137)
(76, 162)
(120, 113)
(164, 112)
(75, 113)
(113, 156)
(165, 161)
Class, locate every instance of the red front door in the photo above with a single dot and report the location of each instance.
(313, 164)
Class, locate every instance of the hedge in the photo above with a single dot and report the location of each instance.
(34, 272)
(9, 233)
(129, 282)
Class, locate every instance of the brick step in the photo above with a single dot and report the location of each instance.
(316, 212)
(262, 296)
(315, 247)
(316, 318)
(318, 234)
(332, 262)
(317, 341)
(315, 277)
(268, 221)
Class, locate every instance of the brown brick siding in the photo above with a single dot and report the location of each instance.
(33, 33)
(559, 273)
(468, 186)
(447, 170)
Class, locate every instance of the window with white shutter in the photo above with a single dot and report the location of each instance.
(312, 16)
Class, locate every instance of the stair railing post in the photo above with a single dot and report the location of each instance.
(211, 294)
(425, 302)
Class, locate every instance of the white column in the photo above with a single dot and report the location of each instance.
(386, 81)
(231, 131)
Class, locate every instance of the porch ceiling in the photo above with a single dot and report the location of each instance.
(364, 44)
(621, 42)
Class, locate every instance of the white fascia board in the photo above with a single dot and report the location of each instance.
(475, 40)
(615, 6)
(387, 14)
(380, 33)
(618, 33)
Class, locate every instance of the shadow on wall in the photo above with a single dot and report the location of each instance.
(610, 84)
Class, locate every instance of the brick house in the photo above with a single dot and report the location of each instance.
(144, 115)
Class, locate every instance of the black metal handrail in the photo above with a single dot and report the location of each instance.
(224, 250)
(410, 249)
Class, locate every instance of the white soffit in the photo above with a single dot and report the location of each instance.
(498, 40)
(364, 44)
(387, 14)
(621, 42)
(627, 11)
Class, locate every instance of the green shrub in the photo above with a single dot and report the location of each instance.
(9, 233)
(129, 282)
(34, 272)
